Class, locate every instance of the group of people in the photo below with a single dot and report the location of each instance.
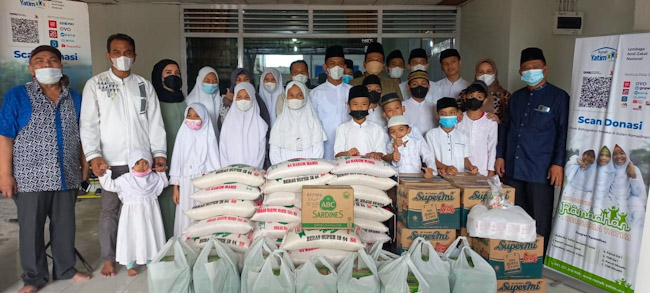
(126, 129)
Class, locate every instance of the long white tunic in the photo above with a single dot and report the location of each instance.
(449, 148)
(452, 89)
(483, 138)
(329, 102)
(377, 115)
(367, 137)
(412, 155)
(421, 115)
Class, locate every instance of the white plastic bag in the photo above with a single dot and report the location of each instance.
(359, 261)
(282, 199)
(310, 279)
(231, 224)
(238, 173)
(227, 191)
(363, 165)
(467, 279)
(171, 269)
(434, 269)
(508, 223)
(395, 277)
(294, 184)
(265, 281)
(381, 256)
(254, 259)
(370, 195)
(370, 212)
(232, 207)
(453, 251)
(297, 238)
(298, 167)
(362, 179)
(216, 276)
(333, 256)
(277, 214)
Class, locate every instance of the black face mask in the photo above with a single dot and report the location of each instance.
(374, 97)
(419, 92)
(473, 104)
(359, 114)
(173, 82)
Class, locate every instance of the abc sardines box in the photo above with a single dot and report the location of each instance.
(327, 207)
(429, 206)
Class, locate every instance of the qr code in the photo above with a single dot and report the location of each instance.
(24, 30)
(595, 92)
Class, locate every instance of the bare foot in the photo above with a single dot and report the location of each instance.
(132, 272)
(79, 276)
(28, 289)
(109, 269)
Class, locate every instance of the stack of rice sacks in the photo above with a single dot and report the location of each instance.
(226, 202)
(370, 180)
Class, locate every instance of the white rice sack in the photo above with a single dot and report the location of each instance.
(282, 199)
(230, 224)
(333, 256)
(298, 167)
(236, 242)
(370, 212)
(369, 237)
(227, 191)
(362, 179)
(370, 195)
(273, 230)
(294, 184)
(363, 165)
(232, 207)
(234, 173)
(277, 214)
(365, 224)
(347, 240)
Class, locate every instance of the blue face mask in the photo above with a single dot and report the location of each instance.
(209, 88)
(448, 121)
(347, 78)
(532, 77)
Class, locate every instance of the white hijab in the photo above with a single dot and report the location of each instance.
(297, 129)
(195, 151)
(211, 101)
(147, 186)
(621, 186)
(243, 134)
(271, 99)
(584, 179)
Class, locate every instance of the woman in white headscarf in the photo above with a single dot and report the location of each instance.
(270, 88)
(243, 134)
(604, 175)
(195, 152)
(580, 171)
(298, 133)
(206, 91)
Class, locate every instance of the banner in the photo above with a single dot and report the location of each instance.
(26, 24)
(598, 228)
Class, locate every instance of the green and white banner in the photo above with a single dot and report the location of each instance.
(599, 224)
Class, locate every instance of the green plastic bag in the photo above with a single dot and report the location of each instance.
(254, 259)
(468, 278)
(431, 266)
(359, 278)
(216, 273)
(313, 278)
(402, 276)
(271, 280)
(171, 269)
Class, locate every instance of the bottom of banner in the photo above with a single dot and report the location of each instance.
(587, 277)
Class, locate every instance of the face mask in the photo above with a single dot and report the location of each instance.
(374, 97)
(173, 82)
(395, 72)
(122, 63)
(335, 72)
(487, 78)
(473, 104)
(270, 86)
(359, 114)
(419, 92)
(374, 67)
(347, 78)
(48, 75)
(300, 78)
(295, 104)
(209, 88)
(405, 138)
(193, 124)
(448, 121)
(141, 174)
(419, 67)
(244, 105)
(532, 77)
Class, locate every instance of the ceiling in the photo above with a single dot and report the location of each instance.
(304, 2)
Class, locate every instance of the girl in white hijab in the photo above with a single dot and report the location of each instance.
(270, 88)
(195, 152)
(243, 134)
(580, 171)
(604, 175)
(206, 91)
(298, 133)
(627, 192)
(140, 233)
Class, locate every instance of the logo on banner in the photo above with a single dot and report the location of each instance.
(54, 34)
(626, 91)
(624, 99)
(69, 35)
(626, 84)
(54, 43)
(33, 3)
(52, 23)
(603, 54)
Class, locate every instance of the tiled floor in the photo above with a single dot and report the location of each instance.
(87, 213)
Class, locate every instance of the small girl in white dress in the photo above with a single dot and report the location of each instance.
(140, 233)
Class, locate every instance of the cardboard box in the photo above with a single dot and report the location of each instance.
(522, 286)
(464, 176)
(429, 206)
(327, 207)
(421, 181)
(511, 259)
(473, 194)
(439, 238)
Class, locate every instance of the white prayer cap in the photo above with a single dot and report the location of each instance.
(397, 120)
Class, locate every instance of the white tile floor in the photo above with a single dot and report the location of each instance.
(87, 213)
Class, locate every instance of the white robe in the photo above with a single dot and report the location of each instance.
(211, 101)
(366, 137)
(377, 115)
(452, 90)
(412, 155)
(422, 115)
(450, 148)
(483, 138)
(271, 99)
(330, 103)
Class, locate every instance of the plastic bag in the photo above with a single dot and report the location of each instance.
(402, 276)
(380, 256)
(216, 276)
(254, 259)
(276, 275)
(171, 269)
(310, 277)
(453, 251)
(496, 199)
(465, 278)
(360, 278)
(507, 223)
(431, 266)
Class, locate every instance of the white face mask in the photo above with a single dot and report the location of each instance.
(48, 75)
(244, 105)
(405, 138)
(487, 78)
(395, 72)
(336, 72)
(300, 78)
(122, 63)
(419, 67)
(270, 86)
(295, 104)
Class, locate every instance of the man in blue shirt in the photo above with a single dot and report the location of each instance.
(40, 166)
(532, 141)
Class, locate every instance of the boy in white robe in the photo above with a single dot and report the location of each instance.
(408, 151)
(375, 113)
